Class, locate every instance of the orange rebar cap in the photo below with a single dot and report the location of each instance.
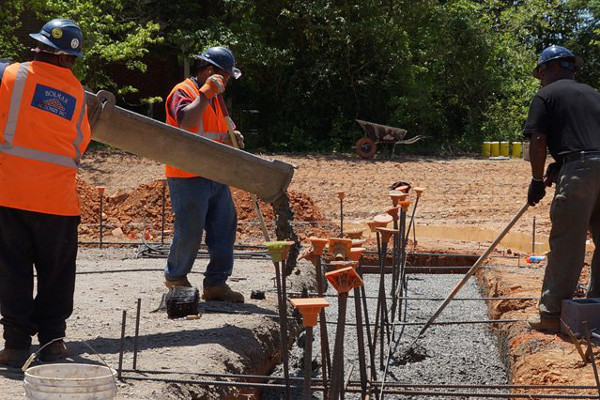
(318, 245)
(279, 250)
(340, 248)
(341, 195)
(344, 280)
(403, 188)
(404, 204)
(393, 212)
(397, 196)
(343, 264)
(356, 253)
(100, 190)
(354, 233)
(386, 233)
(358, 242)
(419, 190)
(309, 308)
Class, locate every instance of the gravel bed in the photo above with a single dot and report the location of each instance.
(446, 354)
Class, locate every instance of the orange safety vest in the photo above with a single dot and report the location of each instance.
(44, 131)
(212, 126)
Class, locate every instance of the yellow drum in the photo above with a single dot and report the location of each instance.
(504, 149)
(485, 149)
(517, 149)
(494, 149)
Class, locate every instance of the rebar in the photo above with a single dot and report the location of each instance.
(281, 299)
(325, 354)
(122, 344)
(137, 332)
(337, 377)
(308, 363)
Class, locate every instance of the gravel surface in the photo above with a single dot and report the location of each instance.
(447, 354)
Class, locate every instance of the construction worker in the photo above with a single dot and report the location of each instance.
(44, 131)
(564, 117)
(200, 204)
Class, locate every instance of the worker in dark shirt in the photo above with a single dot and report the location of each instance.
(564, 118)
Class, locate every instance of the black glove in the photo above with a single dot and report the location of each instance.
(537, 191)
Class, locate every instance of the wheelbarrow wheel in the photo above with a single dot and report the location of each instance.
(365, 147)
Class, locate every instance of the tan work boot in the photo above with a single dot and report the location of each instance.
(181, 282)
(54, 351)
(222, 293)
(548, 325)
(14, 357)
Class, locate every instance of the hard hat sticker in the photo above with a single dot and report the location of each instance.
(75, 43)
(57, 33)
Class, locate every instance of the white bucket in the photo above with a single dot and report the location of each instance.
(70, 382)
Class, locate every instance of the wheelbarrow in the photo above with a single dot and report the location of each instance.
(375, 134)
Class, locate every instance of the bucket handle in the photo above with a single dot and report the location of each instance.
(32, 357)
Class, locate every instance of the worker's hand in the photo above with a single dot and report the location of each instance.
(238, 137)
(537, 191)
(551, 173)
(214, 85)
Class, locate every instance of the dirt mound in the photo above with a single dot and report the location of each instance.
(140, 212)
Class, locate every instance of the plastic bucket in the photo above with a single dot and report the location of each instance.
(494, 149)
(485, 149)
(517, 149)
(70, 382)
(504, 149)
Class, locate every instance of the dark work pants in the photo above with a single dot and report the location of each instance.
(575, 209)
(48, 242)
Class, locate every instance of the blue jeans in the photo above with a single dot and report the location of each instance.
(201, 205)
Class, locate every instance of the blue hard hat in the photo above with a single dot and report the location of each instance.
(570, 60)
(220, 57)
(63, 35)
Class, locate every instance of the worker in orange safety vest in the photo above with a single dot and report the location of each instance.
(44, 131)
(201, 204)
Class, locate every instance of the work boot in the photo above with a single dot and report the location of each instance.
(548, 325)
(54, 351)
(180, 282)
(222, 293)
(14, 357)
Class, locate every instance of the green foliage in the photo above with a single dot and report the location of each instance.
(458, 71)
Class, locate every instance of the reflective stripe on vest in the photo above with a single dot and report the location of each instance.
(11, 127)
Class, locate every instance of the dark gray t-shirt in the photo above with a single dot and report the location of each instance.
(568, 113)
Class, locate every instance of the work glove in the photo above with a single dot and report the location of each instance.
(238, 137)
(551, 173)
(214, 85)
(536, 192)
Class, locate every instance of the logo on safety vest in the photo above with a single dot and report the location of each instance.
(57, 33)
(54, 101)
(74, 43)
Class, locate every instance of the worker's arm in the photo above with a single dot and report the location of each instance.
(537, 155)
(192, 113)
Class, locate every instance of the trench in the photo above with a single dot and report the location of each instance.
(467, 353)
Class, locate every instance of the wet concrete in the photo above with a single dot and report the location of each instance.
(447, 354)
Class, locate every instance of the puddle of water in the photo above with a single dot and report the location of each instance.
(514, 240)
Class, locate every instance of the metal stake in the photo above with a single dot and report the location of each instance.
(122, 344)
(281, 299)
(100, 195)
(337, 379)
(164, 203)
(325, 354)
(308, 363)
(137, 332)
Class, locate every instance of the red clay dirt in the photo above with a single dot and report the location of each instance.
(460, 193)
